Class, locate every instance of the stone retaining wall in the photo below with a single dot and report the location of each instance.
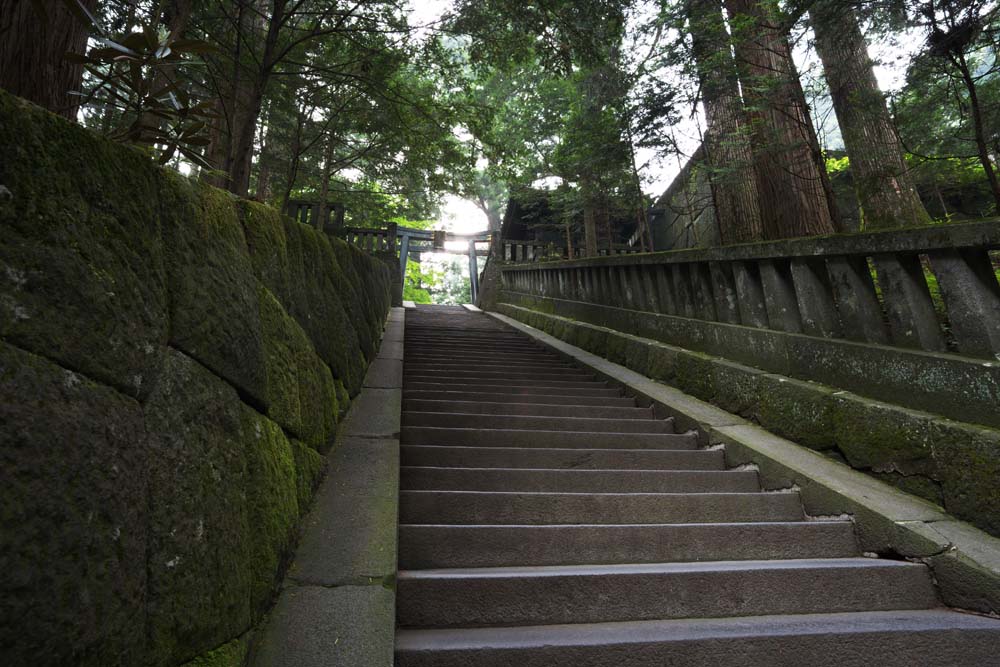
(173, 366)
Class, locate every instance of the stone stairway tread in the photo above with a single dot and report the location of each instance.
(536, 422)
(539, 507)
(576, 481)
(562, 458)
(611, 398)
(854, 639)
(490, 545)
(433, 435)
(550, 595)
(584, 389)
(526, 409)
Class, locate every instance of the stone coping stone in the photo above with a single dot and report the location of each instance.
(409, 304)
(471, 308)
(965, 561)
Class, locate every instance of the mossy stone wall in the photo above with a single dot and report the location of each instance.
(173, 366)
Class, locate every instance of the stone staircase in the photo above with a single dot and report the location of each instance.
(548, 519)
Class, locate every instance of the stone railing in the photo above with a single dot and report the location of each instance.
(911, 317)
(534, 251)
(932, 288)
(372, 240)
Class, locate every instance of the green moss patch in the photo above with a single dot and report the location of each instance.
(301, 395)
(73, 485)
(214, 314)
(272, 505)
(82, 277)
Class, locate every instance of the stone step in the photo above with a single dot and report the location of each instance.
(484, 347)
(565, 459)
(522, 382)
(491, 363)
(448, 394)
(529, 508)
(551, 595)
(430, 435)
(577, 481)
(560, 374)
(436, 546)
(919, 638)
(526, 409)
(538, 423)
(413, 384)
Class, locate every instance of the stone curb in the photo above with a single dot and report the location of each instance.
(964, 560)
(337, 605)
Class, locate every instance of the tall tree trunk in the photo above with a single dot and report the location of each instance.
(324, 189)
(590, 206)
(962, 65)
(885, 190)
(727, 137)
(32, 51)
(794, 191)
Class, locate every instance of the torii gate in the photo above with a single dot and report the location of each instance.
(385, 239)
(416, 241)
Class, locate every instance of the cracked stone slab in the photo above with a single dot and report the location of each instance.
(384, 373)
(313, 626)
(375, 413)
(391, 349)
(350, 532)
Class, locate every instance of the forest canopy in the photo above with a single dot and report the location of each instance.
(364, 105)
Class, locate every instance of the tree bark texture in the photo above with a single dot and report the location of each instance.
(794, 192)
(32, 50)
(885, 190)
(727, 136)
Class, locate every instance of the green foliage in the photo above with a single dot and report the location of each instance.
(837, 165)
(414, 286)
(430, 283)
(138, 76)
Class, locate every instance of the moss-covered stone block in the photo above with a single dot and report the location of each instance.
(213, 290)
(82, 277)
(200, 574)
(967, 461)
(231, 654)
(882, 437)
(662, 363)
(737, 388)
(321, 292)
(348, 265)
(272, 505)
(73, 485)
(617, 346)
(310, 468)
(268, 247)
(592, 340)
(301, 395)
(637, 354)
(694, 374)
(799, 411)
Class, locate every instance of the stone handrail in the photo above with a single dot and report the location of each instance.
(372, 240)
(534, 251)
(872, 287)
